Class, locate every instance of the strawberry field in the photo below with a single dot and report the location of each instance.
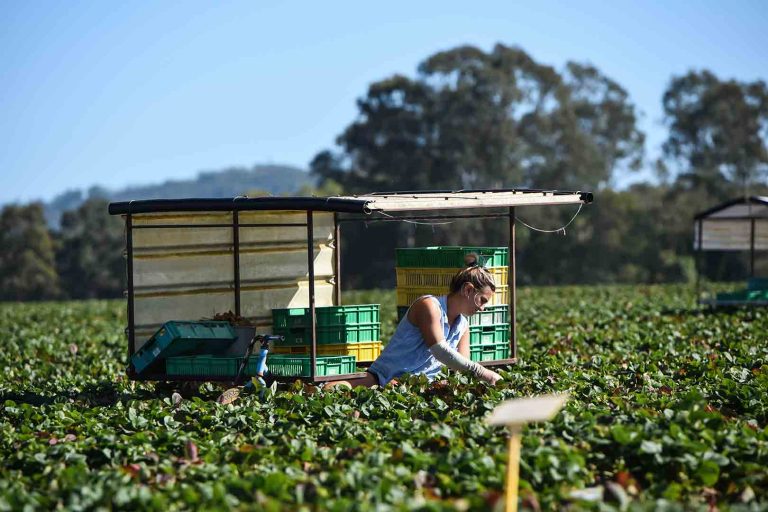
(668, 410)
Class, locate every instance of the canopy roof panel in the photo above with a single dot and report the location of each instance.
(364, 204)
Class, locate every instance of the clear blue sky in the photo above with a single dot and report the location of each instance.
(125, 93)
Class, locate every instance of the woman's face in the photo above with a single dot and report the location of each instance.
(476, 300)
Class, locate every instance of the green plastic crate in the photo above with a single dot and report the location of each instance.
(300, 366)
(491, 315)
(492, 352)
(744, 296)
(451, 256)
(203, 366)
(488, 334)
(177, 338)
(757, 283)
(330, 335)
(327, 316)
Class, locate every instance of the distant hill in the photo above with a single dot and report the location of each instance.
(273, 179)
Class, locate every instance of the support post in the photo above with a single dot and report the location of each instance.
(512, 281)
(697, 260)
(337, 257)
(513, 470)
(752, 248)
(129, 283)
(236, 257)
(311, 272)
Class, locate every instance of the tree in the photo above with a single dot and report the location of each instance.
(717, 131)
(476, 119)
(27, 269)
(90, 255)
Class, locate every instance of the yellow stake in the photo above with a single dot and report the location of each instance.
(513, 471)
(515, 414)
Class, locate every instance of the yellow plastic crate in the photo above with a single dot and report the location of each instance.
(363, 351)
(440, 278)
(407, 294)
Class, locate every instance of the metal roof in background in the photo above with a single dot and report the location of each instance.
(761, 201)
(365, 204)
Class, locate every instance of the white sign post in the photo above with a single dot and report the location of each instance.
(515, 414)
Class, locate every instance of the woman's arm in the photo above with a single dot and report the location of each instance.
(464, 344)
(425, 315)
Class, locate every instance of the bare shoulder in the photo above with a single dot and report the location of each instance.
(424, 311)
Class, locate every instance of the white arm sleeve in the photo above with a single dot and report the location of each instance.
(455, 361)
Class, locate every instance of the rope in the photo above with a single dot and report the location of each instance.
(562, 228)
(416, 222)
(521, 221)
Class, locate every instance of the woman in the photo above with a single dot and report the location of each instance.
(435, 333)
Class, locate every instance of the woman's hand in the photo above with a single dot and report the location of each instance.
(491, 377)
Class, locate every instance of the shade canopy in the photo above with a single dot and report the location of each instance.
(737, 225)
(363, 204)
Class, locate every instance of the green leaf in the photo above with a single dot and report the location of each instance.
(650, 447)
(708, 472)
(623, 435)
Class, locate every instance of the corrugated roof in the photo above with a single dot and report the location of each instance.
(759, 200)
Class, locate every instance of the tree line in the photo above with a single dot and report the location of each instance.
(485, 120)
(499, 119)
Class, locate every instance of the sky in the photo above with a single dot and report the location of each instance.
(130, 93)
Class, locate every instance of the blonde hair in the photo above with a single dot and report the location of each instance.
(478, 277)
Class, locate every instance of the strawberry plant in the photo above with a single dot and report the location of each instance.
(668, 409)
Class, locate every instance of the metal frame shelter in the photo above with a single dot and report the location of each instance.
(737, 225)
(416, 205)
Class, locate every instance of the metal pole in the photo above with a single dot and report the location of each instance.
(337, 257)
(236, 253)
(512, 284)
(752, 249)
(697, 261)
(129, 282)
(311, 271)
(424, 217)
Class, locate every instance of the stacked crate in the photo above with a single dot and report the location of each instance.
(428, 271)
(352, 331)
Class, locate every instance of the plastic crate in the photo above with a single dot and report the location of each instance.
(488, 334)
(441, 277)
(452, 256)
(300, 366)
(363, 351)
(330, 335)
(489, 352)
(744, 296)
(491, 315)
(327, 316)
(203, 366)
(407, 294)
(757, 283)
(177, 338)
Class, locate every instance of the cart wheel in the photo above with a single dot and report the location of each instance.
(165, 388)
(188, 388)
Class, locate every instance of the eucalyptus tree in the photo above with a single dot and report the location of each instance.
(27, 268)
(89, 257)
(483, 119)
(717, 131)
